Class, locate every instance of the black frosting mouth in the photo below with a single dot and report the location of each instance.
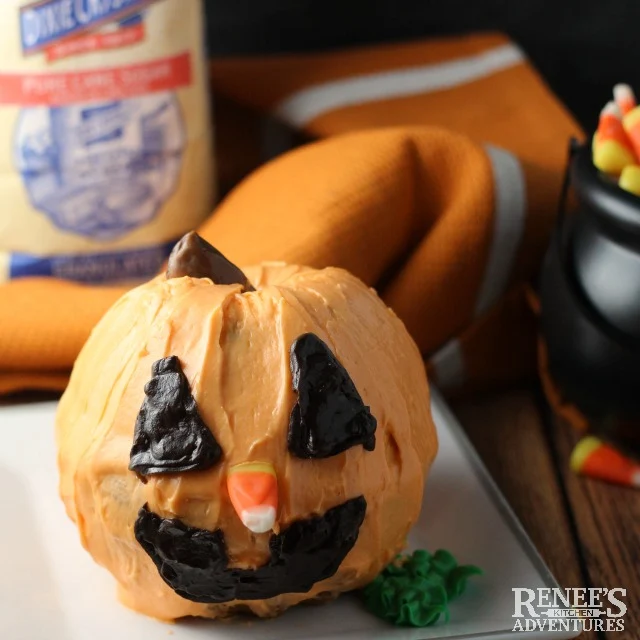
(194, 562)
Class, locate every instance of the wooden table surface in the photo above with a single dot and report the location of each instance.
(587, 531)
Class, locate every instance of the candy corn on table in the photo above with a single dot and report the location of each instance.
(586, 530)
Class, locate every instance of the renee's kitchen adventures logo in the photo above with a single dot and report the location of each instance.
(573, 609)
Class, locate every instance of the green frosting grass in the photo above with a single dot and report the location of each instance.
(415, 590)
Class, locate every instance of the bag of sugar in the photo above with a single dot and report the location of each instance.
(105, 136)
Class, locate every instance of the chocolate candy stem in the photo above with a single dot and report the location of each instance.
(195, 257)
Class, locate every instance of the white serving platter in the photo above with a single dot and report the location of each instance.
(50, 589)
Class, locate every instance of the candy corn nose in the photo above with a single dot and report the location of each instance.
(253, 490)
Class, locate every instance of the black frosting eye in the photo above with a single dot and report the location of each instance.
(170, 435)
(329, 416)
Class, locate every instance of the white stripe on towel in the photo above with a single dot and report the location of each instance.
(508, 226)
(303, 106)
(448, 365)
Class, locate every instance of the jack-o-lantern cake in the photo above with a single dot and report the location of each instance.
(244, 441)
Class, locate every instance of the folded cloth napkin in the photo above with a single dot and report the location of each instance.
(446, 225)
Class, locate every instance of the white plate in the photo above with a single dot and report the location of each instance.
(50, 589)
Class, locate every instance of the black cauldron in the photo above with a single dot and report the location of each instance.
(590, 303)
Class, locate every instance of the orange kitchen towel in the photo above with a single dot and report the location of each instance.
(479, 85)
(446, 226)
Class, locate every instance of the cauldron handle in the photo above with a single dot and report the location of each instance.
(573, 148)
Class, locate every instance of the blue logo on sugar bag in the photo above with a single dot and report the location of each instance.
(100, 170)
(46, 21)
(113, 266)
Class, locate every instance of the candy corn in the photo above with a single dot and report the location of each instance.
(630, 179)
(616, 144)
(612, 150)
(624, 98)
(631, 123)
(253, 491)
(594, 458)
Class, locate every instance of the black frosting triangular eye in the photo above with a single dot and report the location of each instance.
(170, 435)
(329, 416)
